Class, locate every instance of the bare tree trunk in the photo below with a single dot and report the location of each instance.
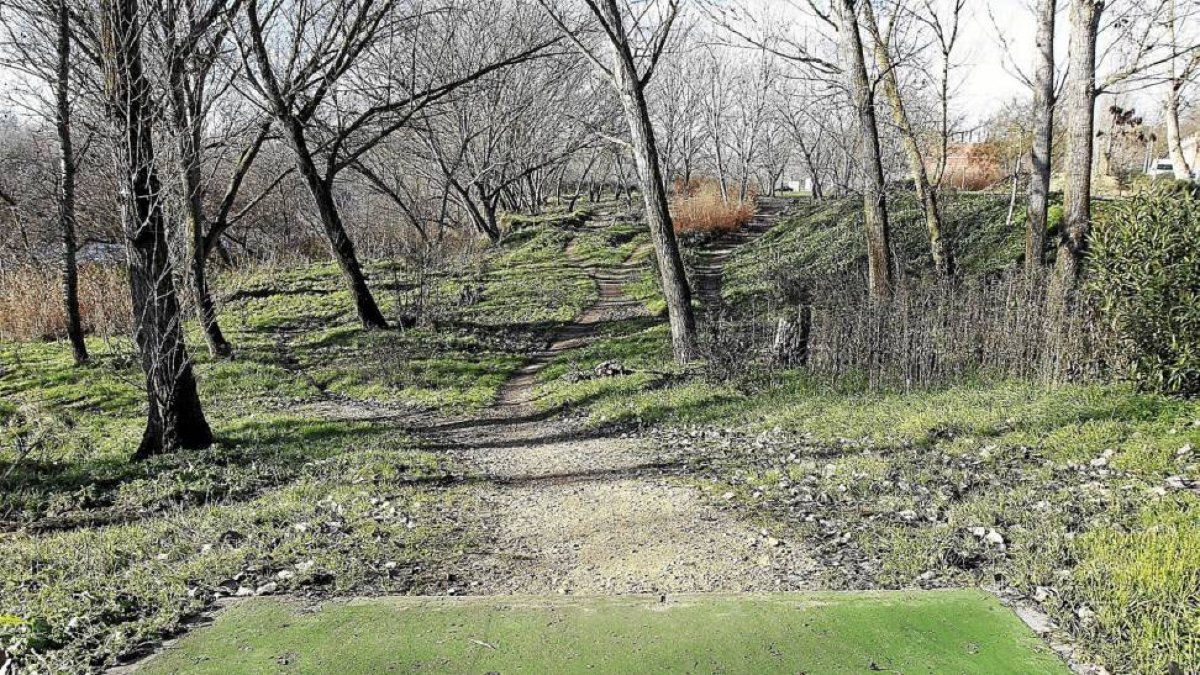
(875, 213)
(175, 418)
(1179, 161)
(319, 187)
(339, 241)
(939, 248)
(1081, 119)
(670, 264)
(66, 184)
(1043, 138)
(187, 135)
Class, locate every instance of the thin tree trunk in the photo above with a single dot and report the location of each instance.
(335, 231)
(1077, 196)
(939, 248)
(187, 134)
(875, 213)
(1179, 161)
(175, 417)
(1043, 138)
(66, 185)
(670, 264)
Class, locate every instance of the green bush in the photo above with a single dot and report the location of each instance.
(1145, 270)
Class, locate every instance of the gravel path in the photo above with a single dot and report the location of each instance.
(571, 512)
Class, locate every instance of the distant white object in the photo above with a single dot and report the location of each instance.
(1161, 167)
(797, 185)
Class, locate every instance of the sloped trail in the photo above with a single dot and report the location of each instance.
(571, 511)
(709, 270)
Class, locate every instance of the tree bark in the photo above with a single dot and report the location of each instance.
(188, 143)
(875, 212)
(1179, 161)
(175, 417)
(1043, 138)
(670, 264)
(1081, 120)
(939, 248)
(66, 184)
(331, 219)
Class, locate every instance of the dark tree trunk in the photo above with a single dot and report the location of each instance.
(66, 185)
(176, 419)
(658, 214)
(335, 231)
(187, 134)
(875, 211)
(1081, 121)
(1043, 138)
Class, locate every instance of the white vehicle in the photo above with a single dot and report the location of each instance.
(1161, 167)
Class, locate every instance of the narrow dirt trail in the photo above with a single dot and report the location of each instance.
(569, 511)
(710, 268)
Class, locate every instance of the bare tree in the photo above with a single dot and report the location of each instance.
(1080, 120)
(885, 61)
(49, 22)
(175, 417)
(191, 38)
(875, 211)
(637, 42)
(340, 77)
(1182, 67)
(1043, 136)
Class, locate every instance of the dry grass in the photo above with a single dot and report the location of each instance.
(700, 208)
(31, 306)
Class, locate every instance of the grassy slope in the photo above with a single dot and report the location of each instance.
(99, 555)
(825, 238)
(960, 632)
(1116, 550)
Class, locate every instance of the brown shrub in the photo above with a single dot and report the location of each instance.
(698, 207)
(31, 306)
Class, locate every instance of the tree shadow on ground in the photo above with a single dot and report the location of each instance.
(249, 458)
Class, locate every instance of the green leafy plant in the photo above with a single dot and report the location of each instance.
(1145, 271)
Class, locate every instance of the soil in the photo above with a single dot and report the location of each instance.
(572, 512)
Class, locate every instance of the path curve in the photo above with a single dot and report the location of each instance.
(566, 510)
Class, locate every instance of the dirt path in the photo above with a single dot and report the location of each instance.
(712, 259)
(572, 512)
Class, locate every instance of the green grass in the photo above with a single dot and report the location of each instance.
(100, 556)
(824, 238)
(960, 632)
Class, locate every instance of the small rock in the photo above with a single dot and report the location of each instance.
(1085, 614)
(284, 575)
(267, 588)
(244, 592)
(996, 539)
